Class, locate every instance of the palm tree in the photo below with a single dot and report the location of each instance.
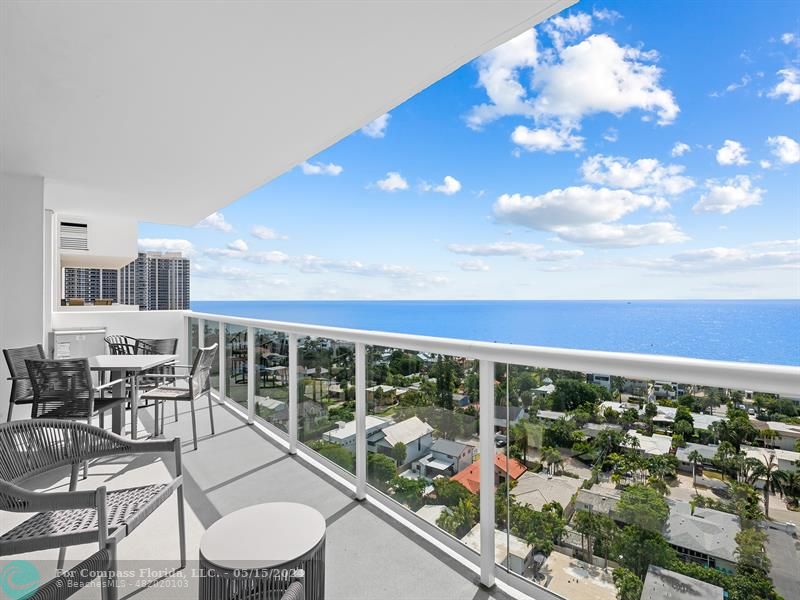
(789, 485)
(695, 457)
(772, 479)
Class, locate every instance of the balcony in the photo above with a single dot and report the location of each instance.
(276, 432)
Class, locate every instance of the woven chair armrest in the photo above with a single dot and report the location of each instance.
(30, 501)
(147, 446)
(18, 378)
(176, 366)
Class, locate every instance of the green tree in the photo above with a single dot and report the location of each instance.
(637, 549)
(408, 491)
(571, 394)
(460, 519)
(629, 586)
(772, 477)
(751, 554)
(380, 470)
(450, 493)
(337, 454)
(643, 507)
(399, 453)
(695, 457)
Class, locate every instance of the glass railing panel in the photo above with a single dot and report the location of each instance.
(194, 344)
(236, 363)
(608, 475)
(272, 382)
(210, 337)
(422, 436)
(326, 399)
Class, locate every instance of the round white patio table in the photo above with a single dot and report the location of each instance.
(255, 552)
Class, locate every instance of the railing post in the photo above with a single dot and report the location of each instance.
(361, 421)
(222, 385)
(187, 349)
(201, 333)
(293, 391)
(487, 491)
(251, 375)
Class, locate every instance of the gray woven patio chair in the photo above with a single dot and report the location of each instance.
(64, 389)
(151, 379)
(121, 344)
(198, 384)
(70, 582)
(21, 389)
(71, 518)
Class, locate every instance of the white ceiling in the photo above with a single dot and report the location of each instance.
(171, 110)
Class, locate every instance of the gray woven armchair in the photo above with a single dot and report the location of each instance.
(198, 384)
(70, 518)
(72, 581)
(21, 388)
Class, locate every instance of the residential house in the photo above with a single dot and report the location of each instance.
(682, 454)
(600, 500)
(345, 433)
(663, 584)
(470, 477)
(655, 445)
(544, 390)
(514, 414)
(509, 550)
(414, 433)
(445, 458)
(552, 415)
(599, 379)
(702, 535)
(788, 434)
(787, 460)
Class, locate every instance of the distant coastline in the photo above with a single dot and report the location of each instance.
(764, 331)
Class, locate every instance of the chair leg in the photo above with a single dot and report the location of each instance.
(163, 410)
(10, 410)
(110, 591)
(175, 403)
(73, 484)
(181, 526)
(210, 412)
(102, 419)
(194, 424)
(155, 421)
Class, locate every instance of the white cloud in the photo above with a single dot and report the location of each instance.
(547, 139)
(473, 265)
(499, 74)
(679, 149)
(567, 28)
(185, 247)
(765, 164)
(789, 85)
(588, 215)
(238, 245)
(611, 135)
(265, 233)
(377, 128)
(321, 168)
(449, 186)
(785, 149)
(726, 197)
(216, 220)
(732, 87)
(618, 235)
(392, 182)
(605, 14)
(732, 153)
(598, 75)
(521, 249)
(788, 38)
(267, 257)
(761, 255)
(645, 174)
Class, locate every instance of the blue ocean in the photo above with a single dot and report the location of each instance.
(763, 331)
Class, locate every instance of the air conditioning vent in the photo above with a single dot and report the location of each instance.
(73, 236)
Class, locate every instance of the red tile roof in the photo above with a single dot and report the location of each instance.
(470, 477)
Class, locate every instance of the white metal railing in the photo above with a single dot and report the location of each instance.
(730, 375)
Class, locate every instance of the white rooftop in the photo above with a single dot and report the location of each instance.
(406, 431)
(655, 445)
(663, 584)
(349, 429)
(516, 546)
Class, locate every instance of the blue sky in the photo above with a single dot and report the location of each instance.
(620, 150)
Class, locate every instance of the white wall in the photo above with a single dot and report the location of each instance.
(22, 290)
(143, 324)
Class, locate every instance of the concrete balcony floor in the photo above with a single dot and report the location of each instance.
(368, 556)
